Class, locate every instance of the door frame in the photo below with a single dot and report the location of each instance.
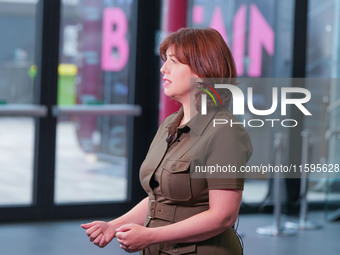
(141, 129)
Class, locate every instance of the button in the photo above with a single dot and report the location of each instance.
(175, 250)
(160, 210)
(173, 167)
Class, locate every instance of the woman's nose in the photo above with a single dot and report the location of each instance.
(163, 68)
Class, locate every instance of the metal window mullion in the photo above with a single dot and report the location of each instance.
(47, 59)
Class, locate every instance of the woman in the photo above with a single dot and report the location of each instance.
(184, 215)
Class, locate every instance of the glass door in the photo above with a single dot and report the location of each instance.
(93, 102)
(18, 110)
(66, 108)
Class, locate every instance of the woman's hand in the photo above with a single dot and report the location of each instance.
(133, 237)
(100, 232)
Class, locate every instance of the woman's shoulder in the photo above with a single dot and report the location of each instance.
(171, 118)
(225, 114)
(224, 120)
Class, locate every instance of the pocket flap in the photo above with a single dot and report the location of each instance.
(176, 165)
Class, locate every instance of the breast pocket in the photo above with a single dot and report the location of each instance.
(175, 180)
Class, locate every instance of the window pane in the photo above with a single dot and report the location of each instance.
(91, 168)
(17, 73)
(17, 51)
(16, 160)
(323, 62)
(95, 56)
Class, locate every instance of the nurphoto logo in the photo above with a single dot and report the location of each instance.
(296, 96)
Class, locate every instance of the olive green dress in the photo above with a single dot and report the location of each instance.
(175, 193)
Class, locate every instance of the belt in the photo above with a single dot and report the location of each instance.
(173, 213)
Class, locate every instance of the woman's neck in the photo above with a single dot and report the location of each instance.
(186, 113)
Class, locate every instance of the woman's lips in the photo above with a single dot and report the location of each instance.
(166, 82)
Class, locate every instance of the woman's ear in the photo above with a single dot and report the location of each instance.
(194, 75)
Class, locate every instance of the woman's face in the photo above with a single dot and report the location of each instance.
(176, 78)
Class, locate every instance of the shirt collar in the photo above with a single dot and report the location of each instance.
(200, 122)
(197, 124)
(174, 123)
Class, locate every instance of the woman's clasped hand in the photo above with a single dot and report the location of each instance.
(131, 237)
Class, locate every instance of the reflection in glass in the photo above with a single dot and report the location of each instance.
(17, 69)
(91, 169)
(16, 160)
(322, 62)
(17, 74)
(91, 163)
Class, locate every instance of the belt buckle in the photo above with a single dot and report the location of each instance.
(152, 209)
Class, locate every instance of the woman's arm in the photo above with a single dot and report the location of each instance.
(101, 232)
(136, 215)
(222, 213)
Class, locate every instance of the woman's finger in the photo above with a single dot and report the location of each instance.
(87, 225)
(119, 235)
(121, 241)
(91, 230)
(98, 239)
(95, 234)
(124, 228)
(102, 242)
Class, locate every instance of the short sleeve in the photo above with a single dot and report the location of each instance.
(227, 150)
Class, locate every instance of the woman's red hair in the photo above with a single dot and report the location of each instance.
(203, 50)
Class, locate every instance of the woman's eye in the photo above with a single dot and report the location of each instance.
(174, 61)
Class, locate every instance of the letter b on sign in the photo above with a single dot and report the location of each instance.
(115, 47)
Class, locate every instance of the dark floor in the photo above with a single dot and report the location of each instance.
(324, 241)
(66, 237)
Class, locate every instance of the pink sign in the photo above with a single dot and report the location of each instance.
(218, 24)
(239, 38)
(261, 36)
(115, 47)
